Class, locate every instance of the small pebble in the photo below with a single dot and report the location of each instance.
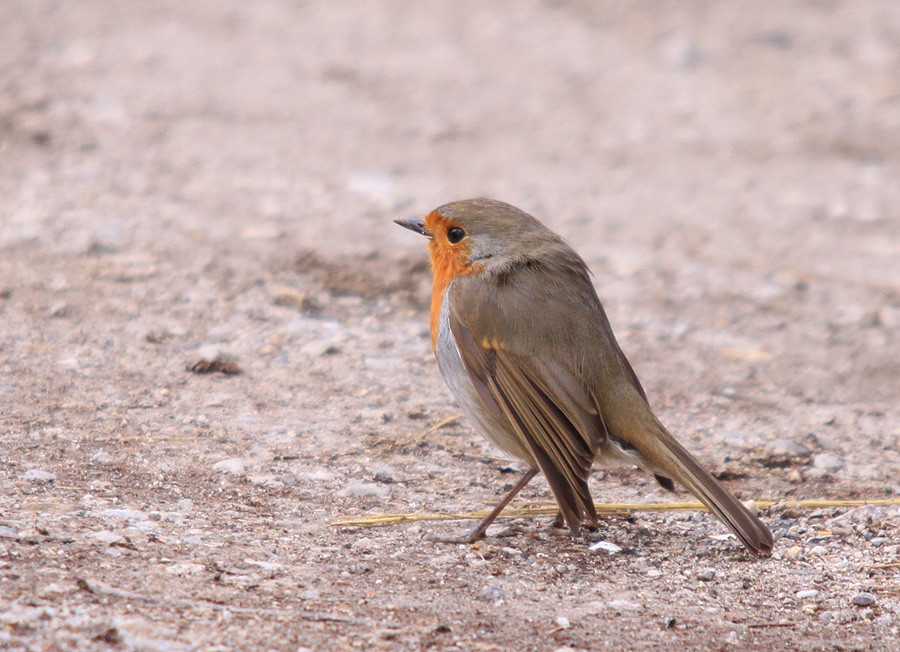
(265, 479)
(136, 536)
(58, 309)
(418, 412)
(608, 546)
(808, 593)
(127, 514)
(147, 527)
(365, 490)
(36, 476)
(269, 566)
(319, 348)
(877, 542)
(291, 298)
(493, 592)
(218, 364)
(844, 617)
(654, 572)
(185, 568)
(365, 544)
(318, 475)
(863, 515)
(818, 551)
(624, 605)
(232, 465)
(707, 575)
(23, 617)
(793, 552)
(863, 600)
(562, 622)
(385, 475)
(55, 589)
(8, 532)
(105, 536)
(825, 617)
(786, 448)
(827, 462)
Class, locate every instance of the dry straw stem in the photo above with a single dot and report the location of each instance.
(439, 424)
(538, 509)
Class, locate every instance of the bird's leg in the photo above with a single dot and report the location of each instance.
(478, 533)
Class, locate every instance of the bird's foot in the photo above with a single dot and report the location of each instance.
(476, 535)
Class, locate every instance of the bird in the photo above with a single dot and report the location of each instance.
(525, 346)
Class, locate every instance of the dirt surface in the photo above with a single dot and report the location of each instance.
(183, 181)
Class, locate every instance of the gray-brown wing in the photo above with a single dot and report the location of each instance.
(544, 407)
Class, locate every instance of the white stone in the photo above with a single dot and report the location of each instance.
(365, 490)
(127, 514)
(105, 536)
(232, 465)
(608, 546)
(37, 476)
(827, 462)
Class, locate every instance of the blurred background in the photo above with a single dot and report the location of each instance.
(720, 120)
(715, 147)
(180, 180)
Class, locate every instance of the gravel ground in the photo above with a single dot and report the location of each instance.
(211, 186)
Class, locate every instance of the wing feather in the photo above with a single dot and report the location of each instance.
(545, 408)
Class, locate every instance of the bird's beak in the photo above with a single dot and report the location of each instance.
(415, 225)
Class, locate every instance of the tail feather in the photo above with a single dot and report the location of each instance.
(664, 456)
(747, 527)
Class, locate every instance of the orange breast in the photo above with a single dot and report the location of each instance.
(447, 262)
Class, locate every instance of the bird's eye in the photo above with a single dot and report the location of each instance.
(455, 234)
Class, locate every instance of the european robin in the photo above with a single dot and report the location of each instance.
(527, 350)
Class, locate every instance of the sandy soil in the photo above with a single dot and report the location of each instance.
(180, 181)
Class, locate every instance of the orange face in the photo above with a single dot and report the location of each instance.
(450, 252)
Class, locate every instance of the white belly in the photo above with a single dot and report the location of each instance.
(452, 368)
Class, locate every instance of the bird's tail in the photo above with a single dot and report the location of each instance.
(663, 455)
